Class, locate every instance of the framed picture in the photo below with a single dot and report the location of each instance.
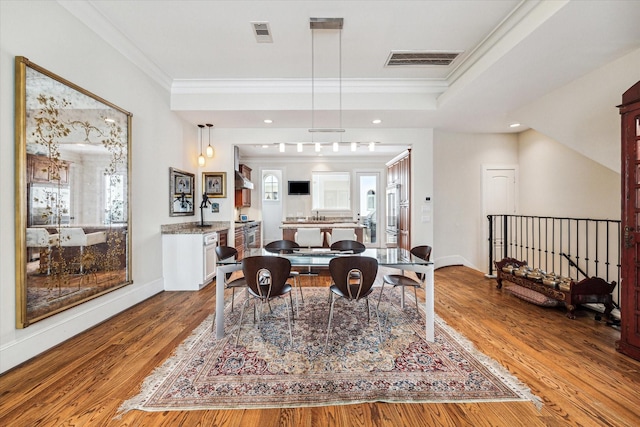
(214, 184)
(181, 190)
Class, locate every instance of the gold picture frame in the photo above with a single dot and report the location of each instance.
(181, 193)
(214, 184)
(72, 192)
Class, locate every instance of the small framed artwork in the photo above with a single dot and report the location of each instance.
(181, 189)
(214, 184)
(215, 207)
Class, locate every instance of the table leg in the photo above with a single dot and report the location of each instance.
(221, 271)
(429, 305)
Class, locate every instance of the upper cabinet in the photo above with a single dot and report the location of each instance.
(40, 169)
(243, 196)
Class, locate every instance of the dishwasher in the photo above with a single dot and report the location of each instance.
(210, 242)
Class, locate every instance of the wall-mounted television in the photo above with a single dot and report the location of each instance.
(298, 187)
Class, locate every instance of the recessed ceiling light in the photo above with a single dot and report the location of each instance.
(514, 125)
(265, 146)
(268, 121)
(376, 121)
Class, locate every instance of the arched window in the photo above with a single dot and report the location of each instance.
(270, 186)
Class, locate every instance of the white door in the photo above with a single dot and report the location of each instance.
(271, 199)
(499, 197)
(368, 204)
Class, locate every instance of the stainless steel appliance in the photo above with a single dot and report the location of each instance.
(251, 234)
(393, 214)
(251, 237)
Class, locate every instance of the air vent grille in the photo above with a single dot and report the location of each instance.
(421, 58)
(262, 32)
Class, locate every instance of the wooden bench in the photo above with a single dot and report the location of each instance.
(589, 290)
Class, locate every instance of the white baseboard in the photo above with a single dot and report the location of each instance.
(450, 260)
(47, 333)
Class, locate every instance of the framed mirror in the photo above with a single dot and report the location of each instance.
(72, 194)
(181, 191)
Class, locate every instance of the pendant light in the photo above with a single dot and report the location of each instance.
(209, 147)
(326, 24)
(201, 159)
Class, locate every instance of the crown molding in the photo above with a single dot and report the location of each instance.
(96, 22)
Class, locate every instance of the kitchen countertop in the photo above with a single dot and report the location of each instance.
(310, 224)
(193, 227)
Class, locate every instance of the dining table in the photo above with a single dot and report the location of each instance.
(310, 258)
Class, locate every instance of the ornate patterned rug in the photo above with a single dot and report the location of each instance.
(265, 370)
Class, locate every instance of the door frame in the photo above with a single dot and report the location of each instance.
(379, 200)
(486, 168)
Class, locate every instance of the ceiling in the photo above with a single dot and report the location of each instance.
(511, 53)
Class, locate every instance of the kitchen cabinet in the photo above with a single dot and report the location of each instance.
(188, 260)
(243, 195)
(223, 238)
(41, 169)
(239, 242)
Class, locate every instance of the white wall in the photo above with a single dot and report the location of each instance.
(49, 36)
(583, 114)
(557, 181)
(457, 171)
(553, 181)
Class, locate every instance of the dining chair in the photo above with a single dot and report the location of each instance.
(309, 237)
(352, 246)
(287, 247)
(40, 238)
(266, 277)
(348, 245)
(352, 289)
(338, 234)
(423, 252)
(226, 252)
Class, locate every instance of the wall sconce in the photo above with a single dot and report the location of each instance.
(282, 147)
(209, 147)
(354, 146)
(372, 146)
(201, 159)
(335, 147)
(299, 147)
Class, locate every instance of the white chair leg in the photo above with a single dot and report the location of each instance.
(326, 343)
(289, 319)
(379, 325)
(380, 296)
(240, 322)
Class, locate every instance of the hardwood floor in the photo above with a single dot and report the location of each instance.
(571, 364)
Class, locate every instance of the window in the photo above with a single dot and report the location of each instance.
(114, 202)
(270, 187)
(331, 190)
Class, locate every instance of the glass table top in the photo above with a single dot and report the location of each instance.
(322, 256)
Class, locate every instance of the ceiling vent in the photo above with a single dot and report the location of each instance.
(416, 58)
(262, 31)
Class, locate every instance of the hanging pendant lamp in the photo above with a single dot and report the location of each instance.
(209, 147)
(201, 159)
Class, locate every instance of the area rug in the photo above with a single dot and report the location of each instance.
(266, 370)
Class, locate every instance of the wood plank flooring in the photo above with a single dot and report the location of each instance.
(571, 364)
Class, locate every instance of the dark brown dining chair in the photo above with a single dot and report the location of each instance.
(350, 287)
(423, 252)
(348, 245)
(287, 247)
(266, 277)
